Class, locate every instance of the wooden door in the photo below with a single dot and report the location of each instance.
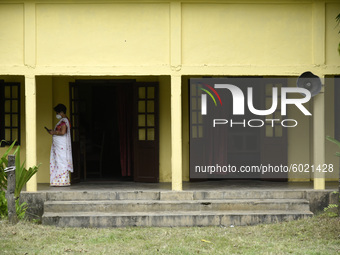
(75, 134)
(198, 136)
(274, 149)
(146, 132)
(244, 147)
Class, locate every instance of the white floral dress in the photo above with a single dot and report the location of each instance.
(61, 163)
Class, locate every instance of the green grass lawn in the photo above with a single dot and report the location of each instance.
(317, 235)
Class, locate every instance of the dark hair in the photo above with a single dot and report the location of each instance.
(60, 108)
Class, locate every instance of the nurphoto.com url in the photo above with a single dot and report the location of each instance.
(266, 168)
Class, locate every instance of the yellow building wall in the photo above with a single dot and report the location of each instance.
(164, 129)
(12, 34)
(129, 34)
(332, 35)
(102, 34)
(299, 138)
(59, 41)
(241, 34)
(44, 119)
(54, 90)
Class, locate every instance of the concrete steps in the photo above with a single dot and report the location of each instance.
(159, 206)
(171, 195)
(169, 209)
(170, 219)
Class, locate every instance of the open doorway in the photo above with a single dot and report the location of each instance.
(233, 142)
(102, 125)
(115, 130)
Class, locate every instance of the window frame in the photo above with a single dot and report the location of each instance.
(11, 112)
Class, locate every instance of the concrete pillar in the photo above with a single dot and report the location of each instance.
(30, 91)
(176, 132)
(176, 96)
(31, 127)
(319, 138)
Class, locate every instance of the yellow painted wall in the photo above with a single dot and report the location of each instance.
(102, 34)
(44, 119)
(113, 33)
(299, 138)
(164, 129)
(12, 34)
(54, 90)
(332, 35)
(59, 41)
(254, 34)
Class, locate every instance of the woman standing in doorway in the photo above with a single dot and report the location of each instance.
(61, 163)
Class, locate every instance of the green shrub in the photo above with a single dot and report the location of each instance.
(22, 176)
(333, 140)
(3, 205)
(3, 165)
(20, 209)
(331, 209)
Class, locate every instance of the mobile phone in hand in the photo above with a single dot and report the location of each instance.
(48, 130)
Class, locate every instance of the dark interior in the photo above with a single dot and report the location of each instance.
(99, 132)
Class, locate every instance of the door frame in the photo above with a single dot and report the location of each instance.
(146, 170)
(275, 143)
(138, 172)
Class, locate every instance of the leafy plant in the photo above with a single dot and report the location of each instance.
(333, 140)
(3, 165)
(20, 209)
(331, 208)
(3, 181)
(22, 176)
(3, 205)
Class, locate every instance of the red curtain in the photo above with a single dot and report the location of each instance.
(124, 100)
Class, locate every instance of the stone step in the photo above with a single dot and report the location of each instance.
(182, 205)
(102, 195)
(169, 219)
(243, 194)
(174, 195)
